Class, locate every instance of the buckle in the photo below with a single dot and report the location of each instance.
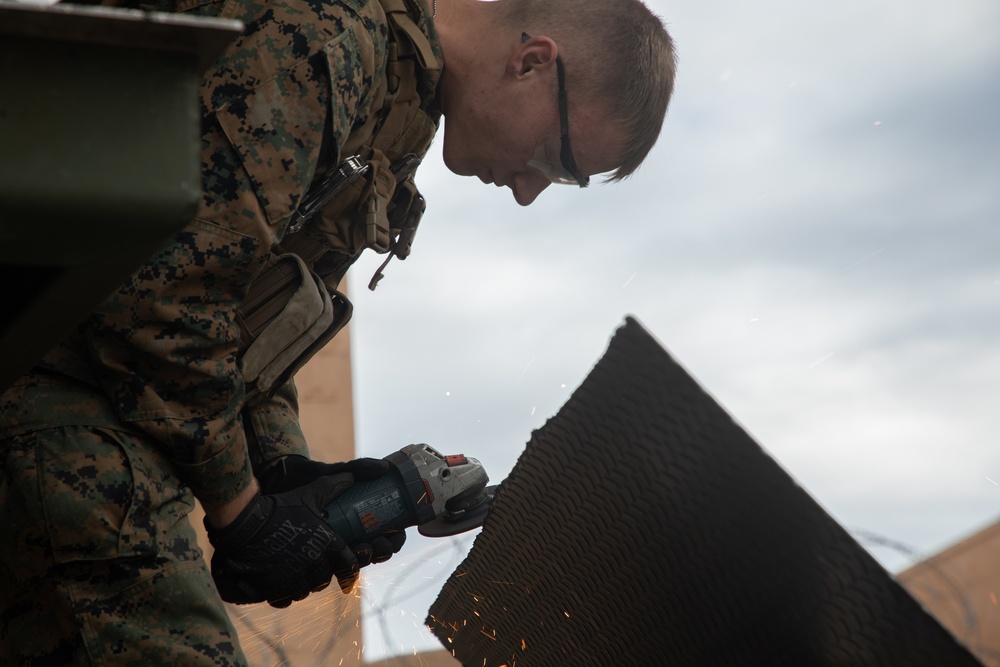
(377, 225)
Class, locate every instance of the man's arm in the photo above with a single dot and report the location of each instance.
(164, 345)
(223, 514)
(272, 428)
(164, 349)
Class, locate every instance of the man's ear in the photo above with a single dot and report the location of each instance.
(535, 54)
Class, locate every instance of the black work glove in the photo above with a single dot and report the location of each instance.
(280, 548)
(294, 471)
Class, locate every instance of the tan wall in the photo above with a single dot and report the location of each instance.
(961, 587)
(325, 628)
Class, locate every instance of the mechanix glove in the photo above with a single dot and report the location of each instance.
(294, 471)
(280, 548)
(291, 472)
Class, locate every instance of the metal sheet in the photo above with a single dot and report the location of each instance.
(643, 526)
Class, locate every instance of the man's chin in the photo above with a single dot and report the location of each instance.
(458, 168)
(455, 161)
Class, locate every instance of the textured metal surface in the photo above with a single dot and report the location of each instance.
(643, 526)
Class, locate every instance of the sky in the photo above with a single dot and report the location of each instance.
(815, 237)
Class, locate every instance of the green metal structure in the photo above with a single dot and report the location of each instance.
(99, 165)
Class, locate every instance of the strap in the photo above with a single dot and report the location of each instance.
(416, 42)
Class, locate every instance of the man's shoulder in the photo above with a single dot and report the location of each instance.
(305, 18)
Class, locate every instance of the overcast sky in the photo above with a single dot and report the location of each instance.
(815, 238)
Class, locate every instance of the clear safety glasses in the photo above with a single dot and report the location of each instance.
(554, 158)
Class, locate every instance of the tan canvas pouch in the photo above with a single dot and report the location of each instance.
(287, 316)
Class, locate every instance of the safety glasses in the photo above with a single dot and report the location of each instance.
(554, 158)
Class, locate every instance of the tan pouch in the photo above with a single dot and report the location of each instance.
(287, 316)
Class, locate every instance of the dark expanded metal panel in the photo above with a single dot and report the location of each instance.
(643, 526)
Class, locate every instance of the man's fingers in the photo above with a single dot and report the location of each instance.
(364, 552)
(348, 582)
(367, 468)
(345, 564)
(382, 549)
(397, 538)
(327, 489)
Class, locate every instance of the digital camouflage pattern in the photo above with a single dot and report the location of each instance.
(98, 564)
(105, 443)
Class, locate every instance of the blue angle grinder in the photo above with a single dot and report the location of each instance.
(441, 495)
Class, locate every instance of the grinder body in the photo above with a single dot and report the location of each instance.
(442, 495)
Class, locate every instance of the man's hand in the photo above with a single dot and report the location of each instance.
(280, 548)
(292, 472)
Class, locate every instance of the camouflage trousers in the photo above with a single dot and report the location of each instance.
(99, 564)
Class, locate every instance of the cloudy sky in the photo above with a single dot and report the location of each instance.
(815, 237)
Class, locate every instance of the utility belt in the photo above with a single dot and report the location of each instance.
(293, 307)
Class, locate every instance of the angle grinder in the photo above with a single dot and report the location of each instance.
(441, 495)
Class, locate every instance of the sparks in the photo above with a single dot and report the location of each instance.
(820, 361)
(524, 371)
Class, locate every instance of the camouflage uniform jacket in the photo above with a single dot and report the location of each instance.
(305, 81)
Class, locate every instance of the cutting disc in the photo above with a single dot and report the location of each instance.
(461, 519)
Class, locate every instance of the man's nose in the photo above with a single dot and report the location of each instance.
(527, 187)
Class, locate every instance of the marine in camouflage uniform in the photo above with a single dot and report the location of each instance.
(106, 443)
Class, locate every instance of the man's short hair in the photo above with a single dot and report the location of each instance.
(617, 51)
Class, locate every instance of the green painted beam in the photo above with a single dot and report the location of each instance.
(99, 137)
